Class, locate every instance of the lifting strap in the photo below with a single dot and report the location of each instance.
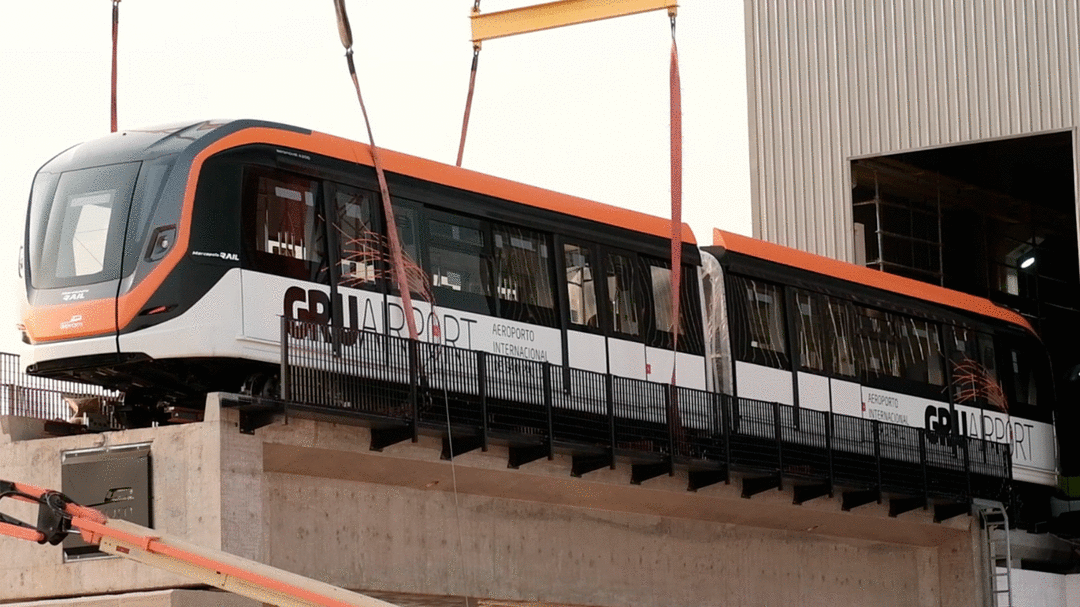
(674, 418)
(396, 256)
(469, 96)
(676, 188)
(468, 103)
(115, 35)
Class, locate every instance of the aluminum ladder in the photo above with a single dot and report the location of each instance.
(994, 521)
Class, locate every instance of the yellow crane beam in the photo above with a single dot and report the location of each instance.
(500, 24)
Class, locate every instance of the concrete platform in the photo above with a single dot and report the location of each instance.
(310, 497)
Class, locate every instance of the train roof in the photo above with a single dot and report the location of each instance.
(868, 277)
(208, 137)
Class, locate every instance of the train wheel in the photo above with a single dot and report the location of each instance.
(262, 385)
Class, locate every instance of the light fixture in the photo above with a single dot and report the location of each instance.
(1027, 262)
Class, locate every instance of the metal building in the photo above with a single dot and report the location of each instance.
(834, 81)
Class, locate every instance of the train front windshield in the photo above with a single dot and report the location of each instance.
(80, 219)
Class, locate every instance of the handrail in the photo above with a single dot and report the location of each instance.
(41, 397)
(385, 376)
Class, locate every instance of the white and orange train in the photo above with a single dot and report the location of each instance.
(160, 261)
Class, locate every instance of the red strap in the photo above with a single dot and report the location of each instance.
(468, 103)
(676, 193)
(115, 35)
(396, 255)
(674, 417)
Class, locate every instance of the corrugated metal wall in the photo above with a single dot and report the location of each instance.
(833, 80)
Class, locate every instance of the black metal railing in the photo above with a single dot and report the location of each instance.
(41, 397)
(431, 386)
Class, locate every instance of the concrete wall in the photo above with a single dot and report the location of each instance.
(310, 497)
(186, 479)
(158, 598)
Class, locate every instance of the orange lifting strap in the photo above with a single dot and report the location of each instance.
(472, 87)
(676, 187)
(391, 225)
(115, 35)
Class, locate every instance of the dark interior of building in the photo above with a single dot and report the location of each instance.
(995, 219)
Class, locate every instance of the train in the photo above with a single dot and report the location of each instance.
(161, 262)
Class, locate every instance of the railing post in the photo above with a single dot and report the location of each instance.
(877, 453)
(829, 448)
(549, 408)
(779, 439)
(285, 386)
(922, 460)
(481, 375)
(414, 381)
(967, 464)
(1008, 461)
(725, 415)
(671, 398)
(609, 385)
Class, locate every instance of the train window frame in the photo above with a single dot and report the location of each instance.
(516, 244)
(52, 230)
(1014, 352)
(597, 323)
(351, 252)
(812, 341)
(895, 333)
(434, 243)
(691, 330)
(309, 267)
(744, 347)
(841, 346)
(638, 294)
(973, 375)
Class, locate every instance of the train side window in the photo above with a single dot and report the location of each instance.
(623, 300)
(897, 347)
(362, 251)
(459, 262)
(757, 322)
(660, 279)
(840, 327)
(974, 377)
(877, 348)
(407, 220)
(1024, 372)
(286, 232)
(523, 268)
(580, 285)
(920, 350)
(811, 327)
(690, 334)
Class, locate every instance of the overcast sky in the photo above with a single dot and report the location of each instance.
(581, 110)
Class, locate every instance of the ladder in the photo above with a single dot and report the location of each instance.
(995, 528)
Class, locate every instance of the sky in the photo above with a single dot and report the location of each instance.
(581, 110)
